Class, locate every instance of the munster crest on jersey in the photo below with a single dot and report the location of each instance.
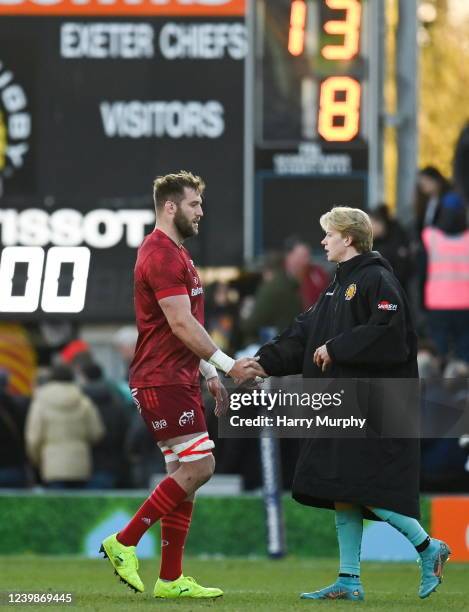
(350, 291)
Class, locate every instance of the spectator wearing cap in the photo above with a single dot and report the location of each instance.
(61, 427)
(75, 350)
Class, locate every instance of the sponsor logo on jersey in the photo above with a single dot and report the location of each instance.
(350, 292)
(196, 291)
(384, 305)
(187, 418)
(161, 424)
(146, 520)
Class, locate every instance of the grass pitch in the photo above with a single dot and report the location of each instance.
(249, 584)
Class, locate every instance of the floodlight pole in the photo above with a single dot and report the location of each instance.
(376, 108)
(407, 79)
(249, 133)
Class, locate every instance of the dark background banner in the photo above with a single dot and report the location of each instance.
(100, 135)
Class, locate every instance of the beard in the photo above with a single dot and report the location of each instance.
(183, 225)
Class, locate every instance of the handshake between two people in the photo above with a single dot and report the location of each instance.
(246, 371)
(249, 372)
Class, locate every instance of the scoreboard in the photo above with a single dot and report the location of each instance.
(274, 103)
(314, 69)
(97, 98)
(316, 106)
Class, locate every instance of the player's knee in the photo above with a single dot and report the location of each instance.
(208, 468)
(199, 472)
(196, 458)
(204, 469)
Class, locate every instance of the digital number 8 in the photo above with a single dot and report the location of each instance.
(348, 109)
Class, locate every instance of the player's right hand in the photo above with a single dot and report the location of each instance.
(246, 369)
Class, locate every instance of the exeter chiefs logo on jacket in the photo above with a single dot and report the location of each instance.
(350, 291)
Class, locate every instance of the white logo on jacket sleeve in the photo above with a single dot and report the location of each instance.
(385, 305)
(186, 418)
(196, 291)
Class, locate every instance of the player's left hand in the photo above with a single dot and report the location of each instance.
(220, 394)
(321, 357)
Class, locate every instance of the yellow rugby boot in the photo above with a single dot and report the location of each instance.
(124, 560)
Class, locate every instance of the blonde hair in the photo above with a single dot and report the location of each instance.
(352, 222)
(171, 187)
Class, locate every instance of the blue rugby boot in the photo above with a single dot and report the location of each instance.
(432, 560)
(343, 588)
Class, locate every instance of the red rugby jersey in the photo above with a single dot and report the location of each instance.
(163, 269)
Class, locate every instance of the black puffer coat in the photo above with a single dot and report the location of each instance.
(364, 319)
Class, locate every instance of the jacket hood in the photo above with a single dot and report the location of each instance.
(60, 396)
(373, 258)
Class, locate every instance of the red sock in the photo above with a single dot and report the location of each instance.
(167, 496)
(174, 529)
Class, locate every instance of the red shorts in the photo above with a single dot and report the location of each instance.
(171, 411)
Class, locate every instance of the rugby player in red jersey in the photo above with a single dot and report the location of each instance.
(172, 348)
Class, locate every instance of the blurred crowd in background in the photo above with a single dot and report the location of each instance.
(71, 424)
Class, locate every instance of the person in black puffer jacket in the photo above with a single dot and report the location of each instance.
(360, 328)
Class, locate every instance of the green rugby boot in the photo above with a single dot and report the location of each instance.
(184, 586)
(124, 560)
